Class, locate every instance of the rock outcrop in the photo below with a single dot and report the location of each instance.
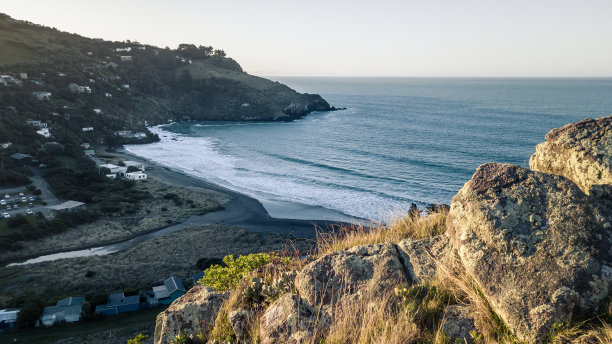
(535, 243)
(581, 152)
(458, 322)
(292, 320)
(193, 312)
(423, 258)
(347, 276)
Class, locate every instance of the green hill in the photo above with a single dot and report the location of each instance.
(113, 86)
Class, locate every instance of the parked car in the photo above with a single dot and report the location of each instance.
(21, 194)
(30, 205)
(32, 198)
(7, 196)
(2, 202)
(15, 206)
(29, 212)
(8, 207)
(6, 215)
(23, 199)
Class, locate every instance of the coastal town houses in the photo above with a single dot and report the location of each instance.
(67, 310)
(22, 159)
(171, 290)
(74, 88)
(138, 165)
(119, 303)
(8, 318)
(42, 95)
(138, 175)
(114, 169)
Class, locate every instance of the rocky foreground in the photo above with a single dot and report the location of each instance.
(525, 254)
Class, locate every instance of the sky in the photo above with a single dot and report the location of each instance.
(424, 38)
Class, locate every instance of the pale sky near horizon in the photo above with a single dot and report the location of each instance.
(357, 38)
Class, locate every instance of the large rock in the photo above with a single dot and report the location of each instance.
(581, 152)
(292, 320)
(422, 259)
(538, 246)
(370, 271)
(194, 311)
(458, 322)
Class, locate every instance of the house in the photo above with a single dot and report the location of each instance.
(85, 145)
(126, 58)
(142, 47)
(89, 152)
(6, 145)
(23, 76)
(97, 111)
(69, 206)
(44, 132)
(197, 276)
(126, 86)
(136, 175)
(87, 129)
(8, 318)
(37, 124)
(172, 289)
(108, 95)
(120, 170)
(42, 95)
(128, 49)
(138, 165)
(61, 74)
(8, 80)
(123, 133)
(111, 176)
(74, 88)
(67, 310)
(119, 303)
(22, 159)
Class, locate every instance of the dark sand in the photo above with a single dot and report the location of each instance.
(242, 211)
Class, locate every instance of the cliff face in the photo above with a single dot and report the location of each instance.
(521, 253)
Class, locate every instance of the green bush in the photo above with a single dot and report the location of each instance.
(223, 278)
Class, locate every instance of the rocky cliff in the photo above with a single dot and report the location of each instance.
(525, 257)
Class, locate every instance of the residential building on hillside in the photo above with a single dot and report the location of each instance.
(8, 318)
(172, 289)
(67, 310)
(42, 95)
(139, 175)
(119, 303)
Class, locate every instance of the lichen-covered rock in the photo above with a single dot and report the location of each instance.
(189, 314)
(458, 321)
(581, 152)
(422, 258)
(537, 245)
(240, 319)
(292, 320)
(346, 276)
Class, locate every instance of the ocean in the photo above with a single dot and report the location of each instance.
(399, 141)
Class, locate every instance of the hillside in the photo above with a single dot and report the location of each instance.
(114, 86)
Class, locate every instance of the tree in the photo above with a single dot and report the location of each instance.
(219, 53)
(29, 314)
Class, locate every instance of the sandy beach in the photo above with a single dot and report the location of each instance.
(244, 211)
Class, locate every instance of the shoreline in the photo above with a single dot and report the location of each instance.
(289, 211)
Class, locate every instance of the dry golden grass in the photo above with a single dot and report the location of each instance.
(401, 228)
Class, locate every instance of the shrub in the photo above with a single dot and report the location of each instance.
(139, 339)
(224, 278)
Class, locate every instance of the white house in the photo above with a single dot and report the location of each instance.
(97, 111)
(126, 86)
(42, 95)
(126, 58)
(111, 176)
(108, 95)
(128, 49)
(23, 75)
(44, 132)
(37, 124)
(74, 88)
(88, 129)
(8, 318)
(120, 170)
(136, 175)
(138, 165)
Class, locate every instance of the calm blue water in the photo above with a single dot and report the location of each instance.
(401, 140)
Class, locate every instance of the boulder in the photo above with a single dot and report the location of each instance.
(581, 152)
(423, 258)
(239, 319)
(292, 320)
(371, 271)
(193, 312)
(538, 247)
(458, 321)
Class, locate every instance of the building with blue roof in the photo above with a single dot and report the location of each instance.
(119, 303)
(66, 310)
(172, 289)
